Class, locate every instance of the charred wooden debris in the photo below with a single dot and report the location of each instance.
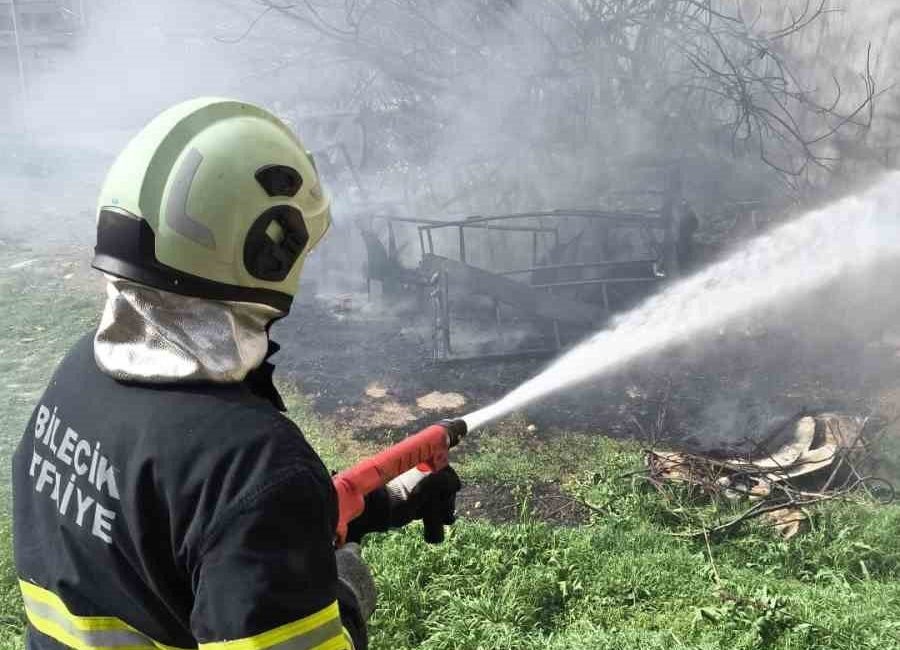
(811, 460)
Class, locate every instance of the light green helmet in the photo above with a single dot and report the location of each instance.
(215, 199)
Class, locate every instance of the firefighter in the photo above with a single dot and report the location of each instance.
(161, 500)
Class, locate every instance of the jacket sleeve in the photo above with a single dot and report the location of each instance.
(266, 575)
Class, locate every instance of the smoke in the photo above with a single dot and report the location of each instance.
(439, 108)
(88, 94)
(429, 109)
(790, 261)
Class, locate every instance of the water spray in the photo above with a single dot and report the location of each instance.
(793, 259)
(790, 260)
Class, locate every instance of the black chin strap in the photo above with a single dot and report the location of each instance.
(259, 380)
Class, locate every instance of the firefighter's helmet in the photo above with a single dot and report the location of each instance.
(215, 199)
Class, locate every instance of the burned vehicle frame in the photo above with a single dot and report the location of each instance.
(561, 284)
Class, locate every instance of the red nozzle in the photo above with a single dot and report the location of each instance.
(427, 448)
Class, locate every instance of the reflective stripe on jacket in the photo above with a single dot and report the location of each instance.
(173, 516)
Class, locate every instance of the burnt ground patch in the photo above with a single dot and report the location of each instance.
(732, 386)
(504, 503)
(334, 357)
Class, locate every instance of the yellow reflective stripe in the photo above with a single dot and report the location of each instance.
(48, 614)
(303, 634)
(342, 642)
(56, 631)
(337, 643)
(35, 593)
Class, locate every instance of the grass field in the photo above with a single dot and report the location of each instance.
(624, 579)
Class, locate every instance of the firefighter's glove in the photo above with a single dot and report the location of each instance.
(429, 496)
(355, 577)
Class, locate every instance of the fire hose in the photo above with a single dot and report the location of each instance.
(428, 450)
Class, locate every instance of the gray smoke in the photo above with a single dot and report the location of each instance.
(432, 109)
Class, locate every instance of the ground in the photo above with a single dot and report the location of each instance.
(367, 363)
(557, 546)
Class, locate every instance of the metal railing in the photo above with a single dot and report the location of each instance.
(616, 218)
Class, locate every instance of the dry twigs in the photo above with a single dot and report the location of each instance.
(811, 461)
(696, 75)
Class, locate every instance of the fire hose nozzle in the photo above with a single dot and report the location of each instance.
(456, 430)
(426, 449)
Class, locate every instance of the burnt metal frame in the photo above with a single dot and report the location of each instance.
(440, 294)
(603, 282)
(618, 218)
(425, 226)
(440, 291)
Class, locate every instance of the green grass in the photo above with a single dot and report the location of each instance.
(613, 584)
(625, 580)
(507, 452)
(41, 316)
